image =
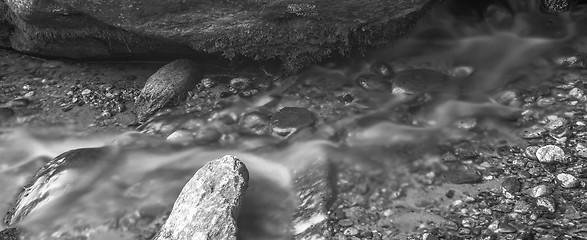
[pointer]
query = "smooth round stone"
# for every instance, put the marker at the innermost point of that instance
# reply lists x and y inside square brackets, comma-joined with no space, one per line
[372,82]
[382,69]
[510,186]
[207,135]
[550,153]
[181,136]
[415,81]
[290,119]
[567,180]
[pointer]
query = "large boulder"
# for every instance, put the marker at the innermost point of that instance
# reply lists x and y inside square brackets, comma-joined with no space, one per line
[296,32]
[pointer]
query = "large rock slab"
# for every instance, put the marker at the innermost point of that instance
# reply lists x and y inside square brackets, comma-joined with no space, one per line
[296,32]
[208,206]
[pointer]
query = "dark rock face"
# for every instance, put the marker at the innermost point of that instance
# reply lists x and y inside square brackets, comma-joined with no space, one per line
[296,32]
[167,87]
[208,205]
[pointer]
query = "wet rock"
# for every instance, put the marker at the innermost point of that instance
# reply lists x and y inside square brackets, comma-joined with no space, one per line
[511,186]
[581,149]
[63,179]
[414,81]
[382,69]
[545,101]
[555,6]
[181,136]
[530,152]
[462,176]
[547,203]
[550,153]
[314,189]
[6,113]
[371,82]
[256,123]
[568,180]
[167,87]
[289,119]
[533,132]
[205,135]
[10,234]
[19,103]
[208,205]
[540,191]
[239,84]
[505,228]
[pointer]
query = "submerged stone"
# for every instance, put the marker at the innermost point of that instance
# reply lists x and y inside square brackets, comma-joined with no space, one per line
[290,119]
[415,81]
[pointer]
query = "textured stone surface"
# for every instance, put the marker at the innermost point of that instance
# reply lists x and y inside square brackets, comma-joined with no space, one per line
[314,188]
[167,87]
[296,32]
[208,205]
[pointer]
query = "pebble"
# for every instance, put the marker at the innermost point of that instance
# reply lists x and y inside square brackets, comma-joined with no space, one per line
[345,222]
[256,123]
[510,186]
[530,152]
[550,153]
[240,83]
[540,191]
[290,119]
[533,132]
[521,207]
[466,123]
[577,93]
[554,122]
[567,180]
[371,82]
[505,228]
[544,102]
[546,202]
[351,231]
[382,69]
[429,236]
[581,149]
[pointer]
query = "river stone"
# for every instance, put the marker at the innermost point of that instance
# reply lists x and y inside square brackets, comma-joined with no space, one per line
[167,87]
[415,81]
[208,205]
[299,32]
[290,119]
[314,189]
[62,180]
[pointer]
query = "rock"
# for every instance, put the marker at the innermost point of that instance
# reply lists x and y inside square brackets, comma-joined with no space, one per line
[10,234]
[533,132]
[382,69]
[180,136]
[5,113]
[289,119]
[299,32]
[167,87]
[567,180]
[510,186]
[550,153]
[315,191]
[415,81]
[62,180]
[256,123]
[372,82]
[462,176]
[208,205]
[19,103]
[540,191]
[546,202]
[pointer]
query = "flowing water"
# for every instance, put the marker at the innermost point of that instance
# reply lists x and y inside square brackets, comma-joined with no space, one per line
[120,173]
